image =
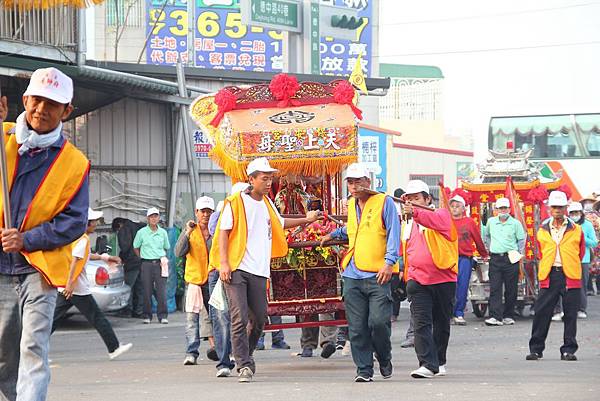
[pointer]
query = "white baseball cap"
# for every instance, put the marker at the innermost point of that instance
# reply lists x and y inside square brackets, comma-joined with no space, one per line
[357,170]
[260,164]
[459,199]
[575,207]
[152,211]
[557,198]
[205,202]
[94,214]
[416,187]
[51,84]
[239,187]
[502,202]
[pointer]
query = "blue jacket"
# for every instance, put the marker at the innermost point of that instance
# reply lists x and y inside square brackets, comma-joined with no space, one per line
[65,228]
[590,240]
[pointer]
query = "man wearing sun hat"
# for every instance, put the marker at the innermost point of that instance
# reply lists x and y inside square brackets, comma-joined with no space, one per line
[561,248]
[151,244]
[49,201]
[249,233]
[373,232]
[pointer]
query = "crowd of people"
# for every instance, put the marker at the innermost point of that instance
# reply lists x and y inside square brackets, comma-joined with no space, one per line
[228,248]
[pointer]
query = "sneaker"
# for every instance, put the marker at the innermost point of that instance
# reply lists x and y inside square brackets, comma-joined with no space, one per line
[557,317]
[280,345]
[566,356]
[507,321]
[347,349]
[581,315]
[340,345]
[493,322]
[328,350]
[363,378]
[386,370]
[224,372]
[189,360]
[146,321]
[163,321]
[211,354]
[460,321]
[306,353]
[123,348]
[422,373]
[441,371]
[245,375]
[408,343]
[534,356]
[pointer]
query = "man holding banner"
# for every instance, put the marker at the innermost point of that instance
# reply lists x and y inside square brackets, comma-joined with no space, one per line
[48,206]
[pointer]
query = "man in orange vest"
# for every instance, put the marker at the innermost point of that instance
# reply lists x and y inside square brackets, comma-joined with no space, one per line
[561,248]
[430,249]
[373,232]
[249,233]
[193,245]
[49,199]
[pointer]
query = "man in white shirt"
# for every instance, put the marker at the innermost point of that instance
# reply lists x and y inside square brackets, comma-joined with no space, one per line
[249,233]
[77,291]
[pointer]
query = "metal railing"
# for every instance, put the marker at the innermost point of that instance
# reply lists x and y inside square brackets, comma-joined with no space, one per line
[55,27]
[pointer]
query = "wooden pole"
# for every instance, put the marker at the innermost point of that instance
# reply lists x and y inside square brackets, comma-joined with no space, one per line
[3,172]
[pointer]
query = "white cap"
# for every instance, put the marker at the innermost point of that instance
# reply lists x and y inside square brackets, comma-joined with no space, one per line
[152,211]
[51,84]
[459,199]
[205,202]
[416,187]
[357,170]
[557,198]
[260,164]
[239,187]
[575,207]
[502,202]
[94,214]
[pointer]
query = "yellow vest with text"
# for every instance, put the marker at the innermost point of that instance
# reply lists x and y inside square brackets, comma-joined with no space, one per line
[444,252]
[367,239]
[196,261]
[569,252]
[60,184]
[238,235]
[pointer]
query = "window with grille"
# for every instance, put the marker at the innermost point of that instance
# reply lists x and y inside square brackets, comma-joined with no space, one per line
[125,13]
[432,180]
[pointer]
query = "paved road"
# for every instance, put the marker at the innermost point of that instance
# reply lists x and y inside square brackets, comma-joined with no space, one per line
[484,363]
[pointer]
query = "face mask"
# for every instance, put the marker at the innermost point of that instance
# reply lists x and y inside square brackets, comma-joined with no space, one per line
[503,216]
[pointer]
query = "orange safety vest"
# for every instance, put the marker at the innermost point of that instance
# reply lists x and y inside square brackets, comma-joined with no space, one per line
[444,252]
[238,235]
[367,239]
[196,261]
[60,184]
[568,248]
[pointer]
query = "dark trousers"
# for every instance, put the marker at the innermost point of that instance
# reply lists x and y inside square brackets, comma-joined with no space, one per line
[544,308]
[89,308]
[247,297]
[152,281]
[368,311]
[431,309]
[396,283]
[310,335]
[502,272]
[277,337]
[136,299]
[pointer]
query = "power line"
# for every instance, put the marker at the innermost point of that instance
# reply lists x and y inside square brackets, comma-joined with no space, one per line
[506,14]
[594,42]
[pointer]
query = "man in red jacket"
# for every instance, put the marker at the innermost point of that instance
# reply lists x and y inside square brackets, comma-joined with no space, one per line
[468,232]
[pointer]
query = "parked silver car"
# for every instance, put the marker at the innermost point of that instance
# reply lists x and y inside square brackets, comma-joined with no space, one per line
[107,284]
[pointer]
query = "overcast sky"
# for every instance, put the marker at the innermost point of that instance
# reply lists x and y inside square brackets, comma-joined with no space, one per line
[549,62]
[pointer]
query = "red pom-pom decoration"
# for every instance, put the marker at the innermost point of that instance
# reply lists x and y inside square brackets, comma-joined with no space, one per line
[538,194]
[343,93]
[283,87]
[225,101]
[464,194]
